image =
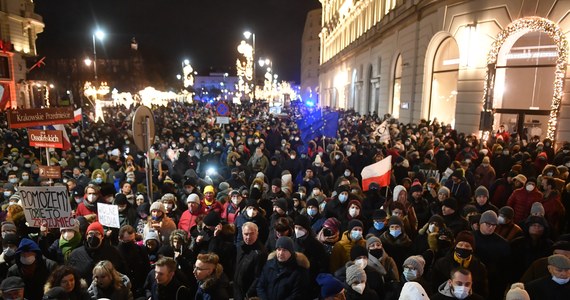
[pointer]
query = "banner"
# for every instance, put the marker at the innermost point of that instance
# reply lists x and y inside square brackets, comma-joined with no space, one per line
[46,205]
[45,138]
[21,118]
[108,215]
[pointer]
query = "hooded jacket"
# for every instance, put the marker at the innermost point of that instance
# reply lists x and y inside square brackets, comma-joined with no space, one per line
[444,292]
[289,280]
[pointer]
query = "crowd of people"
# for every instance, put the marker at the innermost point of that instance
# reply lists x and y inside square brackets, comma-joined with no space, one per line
[255,209]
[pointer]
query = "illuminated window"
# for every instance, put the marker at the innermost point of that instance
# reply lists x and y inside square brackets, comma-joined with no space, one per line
[444,82]
[397,87]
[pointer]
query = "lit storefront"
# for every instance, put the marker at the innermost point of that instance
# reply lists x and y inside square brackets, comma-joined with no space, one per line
[472,64]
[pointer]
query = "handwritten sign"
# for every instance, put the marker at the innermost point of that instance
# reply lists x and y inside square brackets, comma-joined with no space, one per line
[108,215]
[47,205]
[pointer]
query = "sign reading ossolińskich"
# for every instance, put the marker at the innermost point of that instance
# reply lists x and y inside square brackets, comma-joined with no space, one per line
[48,206]
[45,138]
[21,118]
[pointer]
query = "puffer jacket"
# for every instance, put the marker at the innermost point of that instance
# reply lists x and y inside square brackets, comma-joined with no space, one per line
[289,280]
[341,251]
[521,201]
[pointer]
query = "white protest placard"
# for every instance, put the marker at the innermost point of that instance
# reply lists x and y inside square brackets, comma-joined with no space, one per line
[108,215]
[47,205]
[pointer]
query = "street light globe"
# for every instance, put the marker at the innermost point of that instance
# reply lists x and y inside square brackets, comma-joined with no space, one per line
[247,34]
[100,34]
[88,62]
[178,76]
[186,61]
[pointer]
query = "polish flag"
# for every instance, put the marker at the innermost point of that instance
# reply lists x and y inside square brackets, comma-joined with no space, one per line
[66,141]
[77,115]
[379,172]
[75,131]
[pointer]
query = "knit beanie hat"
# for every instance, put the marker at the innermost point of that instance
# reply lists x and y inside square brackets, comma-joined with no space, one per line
[303,221]
[74,226]
[276,182]
[486,160]
[9,226]
[371,240]
[251,202]
[537,208]
[212,219]
[481,191]
[457,173]
[97,227]
[333,224]
[465,236]
[507,212]
[517,292]
[379,214]
[417,262]
[444,190]
[416,186]
[330,286]
[438,220]
[469,209]
[286,243]
[193,198]
[208,189]
[451,203]
[395,220]
[157,205]
[355,273]
[358,251]
[489,217]
[536,220]
[312,202]
[121,199]
[281,203]
[355,223]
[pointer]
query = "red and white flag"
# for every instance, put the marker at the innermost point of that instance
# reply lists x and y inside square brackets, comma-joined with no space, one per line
[66,141]
[379,172]
[77,115]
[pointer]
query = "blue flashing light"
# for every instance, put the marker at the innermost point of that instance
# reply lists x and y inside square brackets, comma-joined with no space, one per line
[310,103]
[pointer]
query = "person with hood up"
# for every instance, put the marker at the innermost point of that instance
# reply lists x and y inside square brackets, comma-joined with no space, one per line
[338,205]
[32,267]
[306,243]
[460,286]
[461,256]
[95,248]
[521,200]
[340,254]
[159,222]
[152,244]
[459,187]
[285,274]
[396,242]
[356,286]
[400,194]
[252,213]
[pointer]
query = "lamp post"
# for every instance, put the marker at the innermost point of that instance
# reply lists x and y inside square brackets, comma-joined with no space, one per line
[248,34]
[100,36]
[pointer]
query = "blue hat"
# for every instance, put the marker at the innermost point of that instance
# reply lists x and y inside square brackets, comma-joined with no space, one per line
[330,286]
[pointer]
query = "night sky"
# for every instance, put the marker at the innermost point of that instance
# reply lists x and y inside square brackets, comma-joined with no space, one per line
[207,32]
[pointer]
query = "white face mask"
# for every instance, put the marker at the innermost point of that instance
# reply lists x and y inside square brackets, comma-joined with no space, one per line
[359,288]
[91,198]
[530,187]
[353,212]
[431,228]
[27,260]
[460,292]
[299,233]
[236,200]
[560,281]
[362,262]
[68,235]
[501,220]
[251,212]
[347,173]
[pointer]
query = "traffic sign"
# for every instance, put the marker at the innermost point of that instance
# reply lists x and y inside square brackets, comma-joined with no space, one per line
[222,109]
[143,128]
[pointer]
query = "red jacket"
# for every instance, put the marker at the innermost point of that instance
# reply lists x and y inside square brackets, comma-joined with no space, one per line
[216,206]
[554,210]
[521,201]
[82,210]
[188,220]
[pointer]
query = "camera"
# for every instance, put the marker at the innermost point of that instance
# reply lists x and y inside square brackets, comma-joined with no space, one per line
[327,232]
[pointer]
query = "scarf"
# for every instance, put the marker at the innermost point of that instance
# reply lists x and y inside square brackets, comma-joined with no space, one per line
[67,246]
[90,206]
[464,262]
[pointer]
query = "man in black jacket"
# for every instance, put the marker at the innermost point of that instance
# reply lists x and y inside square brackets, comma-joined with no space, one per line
[557,284]
[165,285]
[250,259]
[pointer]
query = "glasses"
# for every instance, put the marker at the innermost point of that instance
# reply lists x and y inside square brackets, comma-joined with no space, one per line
[196,268]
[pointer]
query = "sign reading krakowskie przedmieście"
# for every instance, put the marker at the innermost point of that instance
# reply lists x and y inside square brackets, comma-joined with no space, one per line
[21,118]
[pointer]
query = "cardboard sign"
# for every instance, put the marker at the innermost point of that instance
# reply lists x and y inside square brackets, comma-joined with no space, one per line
[222,120]
[48,206]
[40,117]
[108,215]
[45,138]
[53,172]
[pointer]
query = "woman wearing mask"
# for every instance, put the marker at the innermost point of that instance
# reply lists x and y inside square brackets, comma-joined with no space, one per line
[67,278]
[108,283]
[413,270]
[158,221]
[341,251]
[354,212]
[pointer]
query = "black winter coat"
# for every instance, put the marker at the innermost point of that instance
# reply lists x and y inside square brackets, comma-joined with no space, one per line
[289,280]
[443,266]
[249,264]
[83,259]
[546,288]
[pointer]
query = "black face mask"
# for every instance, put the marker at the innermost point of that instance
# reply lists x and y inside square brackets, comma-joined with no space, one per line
[377,252]
[93,242]
[463,253]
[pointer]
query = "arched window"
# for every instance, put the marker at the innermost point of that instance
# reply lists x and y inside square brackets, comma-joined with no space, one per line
[397,88]
[443,98]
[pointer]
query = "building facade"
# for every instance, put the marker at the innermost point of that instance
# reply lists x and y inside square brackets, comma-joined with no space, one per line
[310,56]
[19,28]
[474,64]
